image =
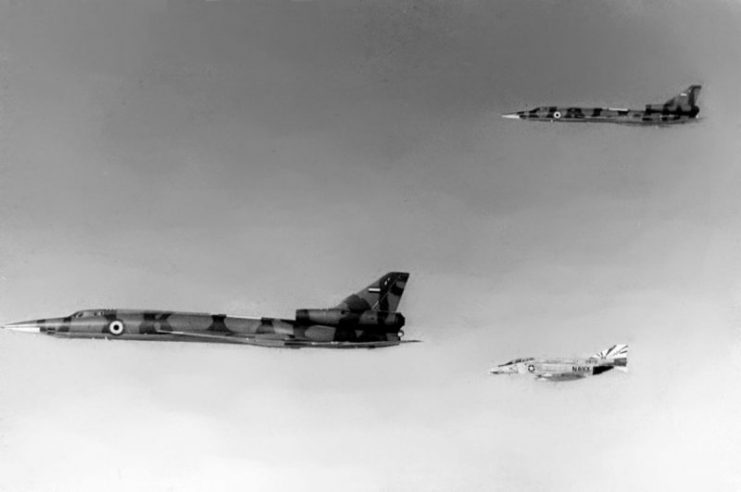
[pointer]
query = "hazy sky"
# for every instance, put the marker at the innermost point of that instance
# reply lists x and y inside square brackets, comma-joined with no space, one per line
[254,159]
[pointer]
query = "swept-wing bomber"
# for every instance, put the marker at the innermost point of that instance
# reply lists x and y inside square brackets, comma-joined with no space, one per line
[366,319]
[682,108]
[565,369]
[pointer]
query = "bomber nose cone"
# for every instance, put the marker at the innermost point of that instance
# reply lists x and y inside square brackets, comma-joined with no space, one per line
[511,116]
[25,326]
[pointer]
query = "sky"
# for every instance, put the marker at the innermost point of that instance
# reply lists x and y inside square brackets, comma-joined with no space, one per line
[261,157]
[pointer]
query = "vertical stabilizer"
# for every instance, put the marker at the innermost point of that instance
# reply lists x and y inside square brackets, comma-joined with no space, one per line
[382,295]
[686,100]
[616,355]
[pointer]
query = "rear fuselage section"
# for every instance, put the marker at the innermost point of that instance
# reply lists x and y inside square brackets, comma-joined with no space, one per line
[566,369]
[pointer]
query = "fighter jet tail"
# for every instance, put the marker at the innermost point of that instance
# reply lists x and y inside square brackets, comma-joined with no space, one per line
[686,100]
[617,355]
[382,295]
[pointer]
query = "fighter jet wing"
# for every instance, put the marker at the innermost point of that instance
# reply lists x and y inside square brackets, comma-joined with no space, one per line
[559,377]
[261,341]
[207,336]
[289,342]
[312,343]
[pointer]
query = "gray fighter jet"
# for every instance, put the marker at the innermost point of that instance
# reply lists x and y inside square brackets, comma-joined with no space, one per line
[567,369]
[366,319]
[679,109]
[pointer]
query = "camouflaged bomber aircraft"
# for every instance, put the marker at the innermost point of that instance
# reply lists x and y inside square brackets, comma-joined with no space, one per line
[679,109]
[567,369]
[366,319]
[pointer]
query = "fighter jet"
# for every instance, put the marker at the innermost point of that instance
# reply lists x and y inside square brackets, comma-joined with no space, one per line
[679,109]
[366,319]
[567,369]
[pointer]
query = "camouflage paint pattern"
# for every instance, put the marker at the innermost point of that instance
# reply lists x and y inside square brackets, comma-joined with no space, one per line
[679,109]
[347,326]
[382,295]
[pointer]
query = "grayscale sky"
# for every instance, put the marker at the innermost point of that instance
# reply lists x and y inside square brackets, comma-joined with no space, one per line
[277,155]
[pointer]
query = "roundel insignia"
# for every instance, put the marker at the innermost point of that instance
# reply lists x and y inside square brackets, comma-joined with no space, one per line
[531,368]
[557,115]
[116,327]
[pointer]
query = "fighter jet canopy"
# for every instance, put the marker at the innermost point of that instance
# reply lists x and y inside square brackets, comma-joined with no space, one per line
[90,312]
[517,361]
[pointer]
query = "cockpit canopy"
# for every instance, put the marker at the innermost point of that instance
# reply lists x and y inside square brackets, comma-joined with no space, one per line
[88,313]
[516,361]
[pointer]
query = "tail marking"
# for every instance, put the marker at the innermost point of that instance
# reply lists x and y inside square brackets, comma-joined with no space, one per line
[382,295]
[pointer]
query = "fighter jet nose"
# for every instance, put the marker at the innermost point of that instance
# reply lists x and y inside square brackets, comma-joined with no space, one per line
[25,326]
[511,116]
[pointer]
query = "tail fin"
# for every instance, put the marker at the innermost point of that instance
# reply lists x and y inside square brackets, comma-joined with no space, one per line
[617,355]
[382,295]
[686,100]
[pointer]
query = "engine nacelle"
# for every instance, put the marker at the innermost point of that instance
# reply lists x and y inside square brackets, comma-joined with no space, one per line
[341,317]
[391,321]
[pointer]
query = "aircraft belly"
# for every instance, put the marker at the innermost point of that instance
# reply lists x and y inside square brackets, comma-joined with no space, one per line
[562,377]
[342,345]
[606,118]
[78,334]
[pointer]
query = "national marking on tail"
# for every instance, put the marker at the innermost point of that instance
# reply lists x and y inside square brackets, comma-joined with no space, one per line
[686,100]
[382,295]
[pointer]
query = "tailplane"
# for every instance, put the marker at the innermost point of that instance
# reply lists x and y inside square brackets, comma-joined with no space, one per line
[617,355]
[686,100]
[382,295]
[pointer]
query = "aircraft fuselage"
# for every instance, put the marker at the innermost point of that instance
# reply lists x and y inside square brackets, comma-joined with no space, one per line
[561,369]
[365,319]
[681,108]
[648,116]
[567,369]
[128,324]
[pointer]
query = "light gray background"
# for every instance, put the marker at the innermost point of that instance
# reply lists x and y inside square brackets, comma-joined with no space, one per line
[257,159]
